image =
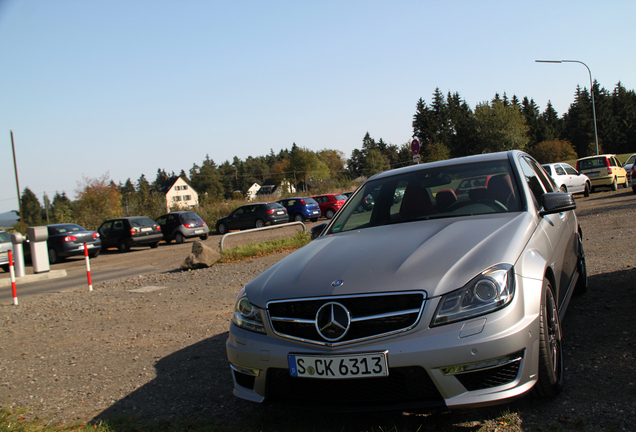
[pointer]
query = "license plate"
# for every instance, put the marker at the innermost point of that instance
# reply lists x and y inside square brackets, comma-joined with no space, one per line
[337,367]
[197,231]
[593,174]
[146,229]
[316,212]
[280,212]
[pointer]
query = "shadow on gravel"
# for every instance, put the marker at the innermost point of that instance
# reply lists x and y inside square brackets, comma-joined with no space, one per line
[195,384]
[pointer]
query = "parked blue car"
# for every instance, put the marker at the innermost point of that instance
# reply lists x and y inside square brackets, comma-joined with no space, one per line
[301,208]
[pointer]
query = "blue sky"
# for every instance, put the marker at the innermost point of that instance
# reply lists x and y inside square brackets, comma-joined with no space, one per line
[127,87]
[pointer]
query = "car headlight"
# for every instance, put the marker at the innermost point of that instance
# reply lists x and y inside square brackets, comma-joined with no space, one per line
[246,315]
[493,289]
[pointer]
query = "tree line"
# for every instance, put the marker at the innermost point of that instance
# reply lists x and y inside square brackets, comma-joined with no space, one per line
[446,128]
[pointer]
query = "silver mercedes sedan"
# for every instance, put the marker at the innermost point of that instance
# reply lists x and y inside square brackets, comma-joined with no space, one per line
[439,299]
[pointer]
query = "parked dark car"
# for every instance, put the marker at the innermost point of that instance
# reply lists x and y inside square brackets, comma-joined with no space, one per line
[253,216]
[124,233]
[67,239]
[330,203]
[301,209]
[180,225]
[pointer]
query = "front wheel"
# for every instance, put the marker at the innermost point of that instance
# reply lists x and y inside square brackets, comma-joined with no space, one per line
[626,184]
[259,223]
[178,238]
[221,229]
[550,379]
[154,245]
[299,218]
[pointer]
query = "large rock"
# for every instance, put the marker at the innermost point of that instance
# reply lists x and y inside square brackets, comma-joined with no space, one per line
[200,257]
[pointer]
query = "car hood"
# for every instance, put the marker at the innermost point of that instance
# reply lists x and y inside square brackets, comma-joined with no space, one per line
[437,256]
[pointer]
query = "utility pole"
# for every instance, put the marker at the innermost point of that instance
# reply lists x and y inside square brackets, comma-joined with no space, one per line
[17,184]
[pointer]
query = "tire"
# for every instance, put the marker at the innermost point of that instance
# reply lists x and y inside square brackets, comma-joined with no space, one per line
[626,184]
[299,218]
[53,257]
[614,185]
[329,213]
[550,381]
[204,237]
[586,192]
[260,223]
[221,229]
[5,267]
[93,254]
[634,189]
[563,188]
[123,246]
[154,245]
[178,238]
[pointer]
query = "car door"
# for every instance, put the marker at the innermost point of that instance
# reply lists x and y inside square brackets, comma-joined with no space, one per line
[559,228]
[621,174]
[576,183]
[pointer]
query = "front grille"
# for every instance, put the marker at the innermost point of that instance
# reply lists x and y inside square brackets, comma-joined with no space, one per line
[488,378]
[371,316]
[404,386]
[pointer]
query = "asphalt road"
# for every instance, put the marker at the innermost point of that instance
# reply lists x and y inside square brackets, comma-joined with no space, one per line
[111,264]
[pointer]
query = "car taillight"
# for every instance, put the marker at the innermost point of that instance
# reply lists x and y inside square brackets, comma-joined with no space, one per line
[158,228]
[95,235]
[187,225]
[270,211]
[69,238]
[134,230]
[302,202]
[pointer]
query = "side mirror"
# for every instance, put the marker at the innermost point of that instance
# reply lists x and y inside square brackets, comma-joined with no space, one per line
[317,230]
[557,202]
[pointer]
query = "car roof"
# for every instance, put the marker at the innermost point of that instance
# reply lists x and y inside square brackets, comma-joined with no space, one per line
[595,156]
[504,155]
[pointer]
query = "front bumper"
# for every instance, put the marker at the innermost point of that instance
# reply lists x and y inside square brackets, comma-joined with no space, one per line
[427,366]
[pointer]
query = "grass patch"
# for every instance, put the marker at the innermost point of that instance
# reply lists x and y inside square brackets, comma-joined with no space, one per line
[256,250]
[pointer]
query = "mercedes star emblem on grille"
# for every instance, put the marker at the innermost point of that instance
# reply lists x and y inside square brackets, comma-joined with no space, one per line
[333,321]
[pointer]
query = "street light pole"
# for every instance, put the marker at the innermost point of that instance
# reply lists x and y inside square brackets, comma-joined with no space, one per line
[591,91]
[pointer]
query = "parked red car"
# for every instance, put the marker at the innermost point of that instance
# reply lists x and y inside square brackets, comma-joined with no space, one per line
[330,204]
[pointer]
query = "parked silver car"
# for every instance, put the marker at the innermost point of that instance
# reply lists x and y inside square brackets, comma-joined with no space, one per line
[5,246]
[568,179]
[417,304]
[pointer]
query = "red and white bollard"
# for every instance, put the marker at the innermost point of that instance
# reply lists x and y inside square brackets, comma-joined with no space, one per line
[12,273]
[88,267]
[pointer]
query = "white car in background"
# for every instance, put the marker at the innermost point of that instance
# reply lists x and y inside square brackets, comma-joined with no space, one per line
[568,179]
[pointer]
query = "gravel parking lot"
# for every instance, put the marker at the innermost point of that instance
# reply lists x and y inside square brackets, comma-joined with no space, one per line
[152,347]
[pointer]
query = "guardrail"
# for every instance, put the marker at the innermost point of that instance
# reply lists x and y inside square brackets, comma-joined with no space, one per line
[259,229]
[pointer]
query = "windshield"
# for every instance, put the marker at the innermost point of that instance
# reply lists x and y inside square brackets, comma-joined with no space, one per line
[451,191]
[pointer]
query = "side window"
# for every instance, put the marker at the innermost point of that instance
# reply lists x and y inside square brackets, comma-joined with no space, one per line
[535,185]
[559,170]
[570,170]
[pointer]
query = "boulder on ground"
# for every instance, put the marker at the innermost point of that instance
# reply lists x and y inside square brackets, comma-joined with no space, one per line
[200,257]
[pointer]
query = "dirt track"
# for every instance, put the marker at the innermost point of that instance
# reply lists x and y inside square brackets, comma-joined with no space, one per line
[152,347]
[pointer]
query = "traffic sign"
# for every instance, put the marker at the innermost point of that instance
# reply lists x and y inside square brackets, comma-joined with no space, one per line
[416,158]
[415,146]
